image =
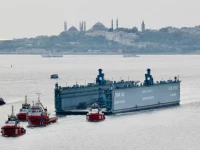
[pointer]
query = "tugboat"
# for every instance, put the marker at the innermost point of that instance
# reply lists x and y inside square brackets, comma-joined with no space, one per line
[21,116]
[12,126]
[2,101]
[38,115]
[95,113]
[54,76]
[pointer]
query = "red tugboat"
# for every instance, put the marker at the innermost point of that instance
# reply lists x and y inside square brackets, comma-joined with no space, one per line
[21,116]
[95,114]
[12,126]
[38,115]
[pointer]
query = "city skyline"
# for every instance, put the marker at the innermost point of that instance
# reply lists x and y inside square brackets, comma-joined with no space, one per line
[21,19]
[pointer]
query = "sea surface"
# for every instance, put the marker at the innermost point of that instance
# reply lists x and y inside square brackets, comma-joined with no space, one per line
[171,128]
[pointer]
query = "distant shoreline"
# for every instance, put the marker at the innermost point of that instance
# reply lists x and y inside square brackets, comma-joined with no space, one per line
[100,54]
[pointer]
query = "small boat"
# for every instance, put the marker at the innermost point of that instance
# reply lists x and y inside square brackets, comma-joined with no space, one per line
[21,116]
[54,76]
[38,115]
[2,101]
[12,126]
[95,113]
[52,55]
[130,55]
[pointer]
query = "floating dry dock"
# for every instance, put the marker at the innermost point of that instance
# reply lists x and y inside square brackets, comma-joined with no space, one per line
[117,97]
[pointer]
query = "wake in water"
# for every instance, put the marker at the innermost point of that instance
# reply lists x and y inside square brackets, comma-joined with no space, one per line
[6,66]
[16,100]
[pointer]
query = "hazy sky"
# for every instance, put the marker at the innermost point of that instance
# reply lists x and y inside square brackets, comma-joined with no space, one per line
[30,18]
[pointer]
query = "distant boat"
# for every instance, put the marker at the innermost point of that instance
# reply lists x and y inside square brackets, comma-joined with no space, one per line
[51,55]
[54,76]
[2,101]
[130,55]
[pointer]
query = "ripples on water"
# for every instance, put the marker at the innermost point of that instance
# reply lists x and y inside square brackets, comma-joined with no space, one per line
[166,128]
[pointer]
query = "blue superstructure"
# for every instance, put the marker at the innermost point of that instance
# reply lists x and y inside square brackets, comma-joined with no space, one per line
[148,78]
[100,78]
[101,81]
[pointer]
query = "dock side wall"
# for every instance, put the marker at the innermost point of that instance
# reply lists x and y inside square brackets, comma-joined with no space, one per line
[130,98]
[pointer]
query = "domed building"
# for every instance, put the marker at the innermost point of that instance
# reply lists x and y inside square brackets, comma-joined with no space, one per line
[73,29]
[98,27]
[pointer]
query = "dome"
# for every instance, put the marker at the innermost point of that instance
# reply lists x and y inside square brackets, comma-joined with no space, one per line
[73,29]
[98,27]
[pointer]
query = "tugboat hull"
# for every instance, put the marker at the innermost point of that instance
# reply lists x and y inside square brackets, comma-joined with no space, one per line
[36,121]
[12,131]
[95,117]
[21,116]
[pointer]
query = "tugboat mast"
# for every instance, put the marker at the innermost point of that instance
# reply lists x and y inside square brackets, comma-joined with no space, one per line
[39,100]
[12,114]
[25,99]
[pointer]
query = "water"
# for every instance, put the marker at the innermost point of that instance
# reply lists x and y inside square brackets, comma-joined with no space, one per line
[167,128]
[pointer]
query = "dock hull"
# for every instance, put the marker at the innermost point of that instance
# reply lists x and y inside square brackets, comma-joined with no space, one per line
[149,107]
[118,97]
[145,97]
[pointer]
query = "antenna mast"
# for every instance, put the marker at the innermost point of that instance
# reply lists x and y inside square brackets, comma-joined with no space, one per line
[38,96]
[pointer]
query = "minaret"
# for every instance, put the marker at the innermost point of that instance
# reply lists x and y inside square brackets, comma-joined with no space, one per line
[84,25]
[65,26]
[112,24]
[142,26]
[117,24]
[80,26]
